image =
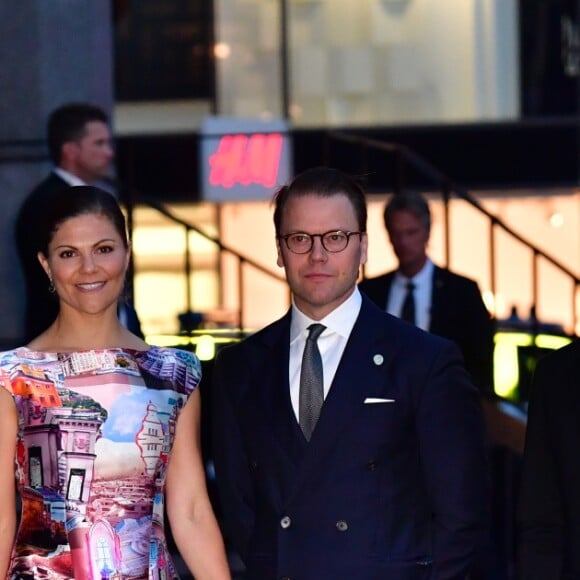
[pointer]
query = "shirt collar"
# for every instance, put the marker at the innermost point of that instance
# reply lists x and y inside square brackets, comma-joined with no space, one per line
[340,320]
[424,274]
[71,179]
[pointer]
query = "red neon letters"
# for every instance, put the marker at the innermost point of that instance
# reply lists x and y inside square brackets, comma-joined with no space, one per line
[246,159]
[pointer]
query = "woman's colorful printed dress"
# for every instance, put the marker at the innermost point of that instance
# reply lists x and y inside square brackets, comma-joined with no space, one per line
[95,433]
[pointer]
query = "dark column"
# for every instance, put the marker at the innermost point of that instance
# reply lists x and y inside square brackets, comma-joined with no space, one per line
[50,53]
[549,57]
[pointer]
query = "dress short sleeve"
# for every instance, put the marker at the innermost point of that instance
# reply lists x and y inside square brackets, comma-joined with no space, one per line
[180,368]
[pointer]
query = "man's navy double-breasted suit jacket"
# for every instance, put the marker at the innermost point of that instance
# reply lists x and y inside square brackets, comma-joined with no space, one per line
[393,483]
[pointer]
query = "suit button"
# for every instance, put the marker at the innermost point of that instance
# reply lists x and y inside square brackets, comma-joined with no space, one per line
[341,526]
[372,465]
[285,578]
[253,465]
[285,522]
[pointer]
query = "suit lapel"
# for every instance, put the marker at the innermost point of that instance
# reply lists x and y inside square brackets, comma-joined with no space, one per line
[276,408]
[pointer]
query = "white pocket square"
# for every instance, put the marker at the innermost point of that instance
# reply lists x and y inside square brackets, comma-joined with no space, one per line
[373,400]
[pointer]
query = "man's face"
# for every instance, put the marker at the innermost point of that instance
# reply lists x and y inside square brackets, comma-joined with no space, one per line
[92,155]
[409,237]
[320,281]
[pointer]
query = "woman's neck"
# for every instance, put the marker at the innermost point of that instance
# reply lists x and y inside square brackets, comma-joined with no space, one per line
[75,331]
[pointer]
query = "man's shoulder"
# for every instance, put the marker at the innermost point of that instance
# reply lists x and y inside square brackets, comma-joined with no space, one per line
[377,280]
[455,286]
[31,208]
[376,324]
[562,358]
[450,277]
[555,378]
[264,338]
[50,184]
[376,288]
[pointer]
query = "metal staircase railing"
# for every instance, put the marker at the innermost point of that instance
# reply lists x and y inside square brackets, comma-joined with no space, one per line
[242,259]
[406,159]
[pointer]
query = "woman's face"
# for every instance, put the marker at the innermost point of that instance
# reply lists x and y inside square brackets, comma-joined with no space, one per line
[87,260]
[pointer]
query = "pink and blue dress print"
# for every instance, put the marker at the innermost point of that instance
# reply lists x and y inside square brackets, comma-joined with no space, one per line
[95,434]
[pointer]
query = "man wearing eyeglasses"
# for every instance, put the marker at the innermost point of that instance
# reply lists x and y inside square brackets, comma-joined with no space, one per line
[348,444]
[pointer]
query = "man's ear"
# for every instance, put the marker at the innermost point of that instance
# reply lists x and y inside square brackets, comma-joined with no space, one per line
[68,150]
[364,246]
[280,259]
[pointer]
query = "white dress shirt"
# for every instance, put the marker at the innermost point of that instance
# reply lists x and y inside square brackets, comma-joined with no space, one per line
[105,184]
[71,179]
[423,282]
[331,343]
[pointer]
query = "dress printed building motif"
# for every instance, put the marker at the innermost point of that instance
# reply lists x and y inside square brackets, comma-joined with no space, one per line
[95,435]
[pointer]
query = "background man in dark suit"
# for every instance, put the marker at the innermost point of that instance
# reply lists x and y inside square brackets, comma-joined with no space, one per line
[383,475]
[450,306]
[446,304]
[549,502]
[80,146]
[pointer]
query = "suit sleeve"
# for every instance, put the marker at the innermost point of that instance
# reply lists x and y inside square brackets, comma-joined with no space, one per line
[540,513]
[477,345]
[231,463]
[454,458]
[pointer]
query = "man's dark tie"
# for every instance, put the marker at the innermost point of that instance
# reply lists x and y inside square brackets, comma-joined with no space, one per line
[311,382]
[408,311]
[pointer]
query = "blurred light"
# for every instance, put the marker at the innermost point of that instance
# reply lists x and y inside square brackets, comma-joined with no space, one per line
[222,50]
[551,341]
[489,301]
[556,220]
[205,348]
[296,111]
[201,341]
[506,376]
